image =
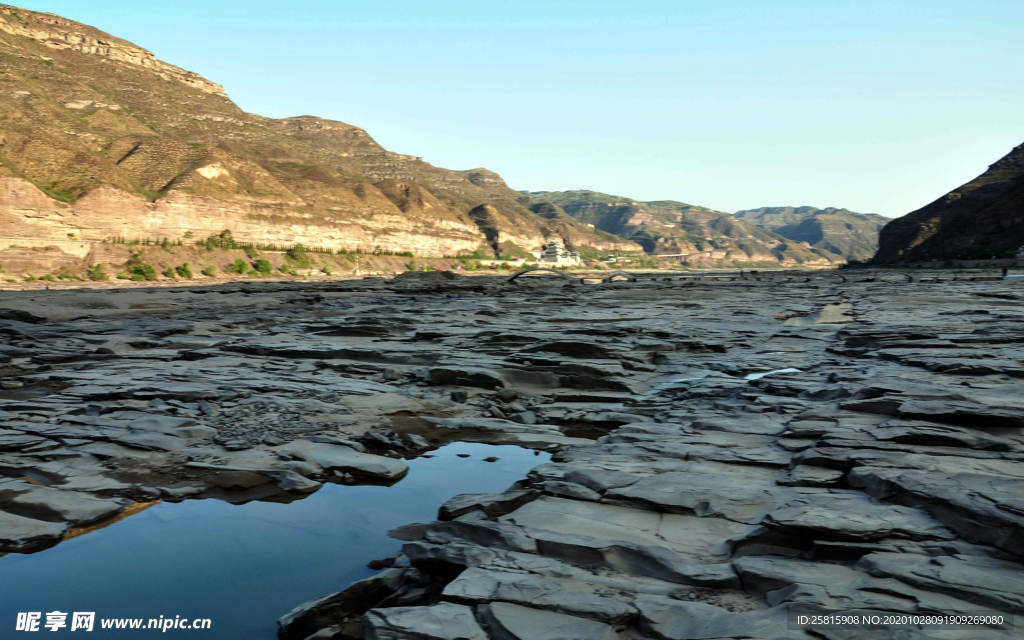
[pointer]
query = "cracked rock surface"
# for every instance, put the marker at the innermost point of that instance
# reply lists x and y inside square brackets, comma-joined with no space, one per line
[746,451]
[727,453]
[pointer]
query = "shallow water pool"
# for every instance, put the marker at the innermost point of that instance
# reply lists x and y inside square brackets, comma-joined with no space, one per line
[242,566]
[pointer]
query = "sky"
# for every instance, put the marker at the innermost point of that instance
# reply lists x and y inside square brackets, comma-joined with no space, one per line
[876,106]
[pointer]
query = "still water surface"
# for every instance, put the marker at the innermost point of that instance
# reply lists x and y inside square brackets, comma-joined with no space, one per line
[242,566]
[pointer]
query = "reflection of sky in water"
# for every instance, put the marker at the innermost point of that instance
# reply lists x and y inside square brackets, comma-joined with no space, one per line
[243,566]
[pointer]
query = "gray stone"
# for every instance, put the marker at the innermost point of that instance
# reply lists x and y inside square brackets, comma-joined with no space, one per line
[444,621]
[506,395]
[600,480]
[50,503]
[571,490]
[491,534]
[340,458]
[837,587]
[982,581]
[677,620]
[852,516]
[314,615]
[480,585]
[453,553]
[695,538]
[980,508]
[804,475]
[492,504]
[237,477]
[702,495]
[496,412]
[525,417]
[19,534]
[465,377]
[507,621]
[414,441]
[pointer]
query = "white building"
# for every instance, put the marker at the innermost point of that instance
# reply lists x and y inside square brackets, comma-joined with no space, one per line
[554,253]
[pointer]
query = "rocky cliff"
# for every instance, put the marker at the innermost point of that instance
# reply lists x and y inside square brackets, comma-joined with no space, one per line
[981,219]
[99,138]
[698,235]
[840,232]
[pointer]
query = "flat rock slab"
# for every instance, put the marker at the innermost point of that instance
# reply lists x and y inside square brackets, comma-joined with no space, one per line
[18,533]
[701,494]
[340,458]
[443,621]
[482,585]
[979,507]
[853,516]
[677,620]
[70,506]
[983,581]
[780,580]
[286,479]
[491,504]
[513,622]
[700,539]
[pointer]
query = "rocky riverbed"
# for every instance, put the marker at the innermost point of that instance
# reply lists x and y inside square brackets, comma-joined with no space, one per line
[728,453]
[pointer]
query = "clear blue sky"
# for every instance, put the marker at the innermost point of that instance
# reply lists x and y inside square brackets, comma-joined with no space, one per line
[877,106]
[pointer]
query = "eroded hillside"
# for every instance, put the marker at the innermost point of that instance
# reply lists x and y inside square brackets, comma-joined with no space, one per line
[99,138]
[844,233]
[698,235]
[981,219]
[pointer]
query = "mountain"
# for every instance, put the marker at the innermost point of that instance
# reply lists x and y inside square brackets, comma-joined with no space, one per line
[99,138]
[700,236]
[980,219]
[841,232]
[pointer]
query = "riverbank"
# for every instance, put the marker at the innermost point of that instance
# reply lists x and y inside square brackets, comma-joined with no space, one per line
[719,443]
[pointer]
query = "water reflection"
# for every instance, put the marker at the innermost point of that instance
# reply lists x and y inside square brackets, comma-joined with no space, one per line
[243,566]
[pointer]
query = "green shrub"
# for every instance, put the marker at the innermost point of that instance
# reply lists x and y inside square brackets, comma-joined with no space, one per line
[210,271]
[123,276]
[251,252]
[185,271]
[263,266]
[298,255]
[29,278]
[325,270]
[142,272]
[252,273]
[238,266]
[96,272]
[411,266]
[170,273]
[47,277]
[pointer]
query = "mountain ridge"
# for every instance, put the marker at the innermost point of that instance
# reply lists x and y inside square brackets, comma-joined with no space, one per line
[982,218]
[841,232]
[698,235]
[99,138]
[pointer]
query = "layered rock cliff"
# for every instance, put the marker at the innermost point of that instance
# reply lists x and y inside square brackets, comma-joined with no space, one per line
[981,219]
[99,138]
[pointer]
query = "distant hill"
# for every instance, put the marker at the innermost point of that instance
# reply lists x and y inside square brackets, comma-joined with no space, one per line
[980,219]
[841,232]
[99,138]
[701,236]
